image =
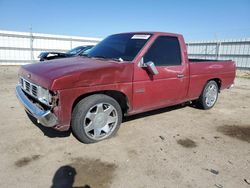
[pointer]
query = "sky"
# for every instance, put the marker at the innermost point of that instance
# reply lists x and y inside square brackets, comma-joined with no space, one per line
[195,19]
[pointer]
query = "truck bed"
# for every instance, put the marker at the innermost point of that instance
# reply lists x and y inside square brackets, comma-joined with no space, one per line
[203,70]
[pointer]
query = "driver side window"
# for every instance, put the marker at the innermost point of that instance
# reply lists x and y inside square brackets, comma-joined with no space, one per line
[165,51]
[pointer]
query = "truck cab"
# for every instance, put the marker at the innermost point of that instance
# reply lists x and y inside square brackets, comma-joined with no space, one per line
[169,86]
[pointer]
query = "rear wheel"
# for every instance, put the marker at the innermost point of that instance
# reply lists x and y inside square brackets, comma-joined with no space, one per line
[209,95]
[96,118]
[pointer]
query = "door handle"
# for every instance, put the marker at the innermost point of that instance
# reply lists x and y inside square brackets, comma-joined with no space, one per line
[180,75]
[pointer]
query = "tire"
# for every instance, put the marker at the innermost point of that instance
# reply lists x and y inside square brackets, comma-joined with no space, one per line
[95,118]
[208,96]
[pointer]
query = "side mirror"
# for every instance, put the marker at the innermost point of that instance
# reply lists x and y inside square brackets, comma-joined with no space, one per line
[151,67]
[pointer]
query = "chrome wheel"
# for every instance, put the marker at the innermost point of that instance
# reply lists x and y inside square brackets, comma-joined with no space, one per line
[211,95]
[100,121]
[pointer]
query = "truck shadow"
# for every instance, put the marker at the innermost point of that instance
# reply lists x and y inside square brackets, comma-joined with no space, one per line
[49,132]
[158,111]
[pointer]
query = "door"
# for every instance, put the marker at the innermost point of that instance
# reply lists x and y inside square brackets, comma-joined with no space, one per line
[169,86]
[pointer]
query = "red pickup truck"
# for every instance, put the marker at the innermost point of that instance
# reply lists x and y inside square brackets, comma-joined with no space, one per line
[124,74]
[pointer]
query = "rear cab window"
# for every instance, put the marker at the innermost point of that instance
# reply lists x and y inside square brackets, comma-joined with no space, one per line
[165,51]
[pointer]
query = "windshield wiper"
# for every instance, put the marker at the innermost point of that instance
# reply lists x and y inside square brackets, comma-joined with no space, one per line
[112,58]
[117,59]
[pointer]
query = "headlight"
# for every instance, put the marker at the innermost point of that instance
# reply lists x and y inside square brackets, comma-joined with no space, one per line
[44,96]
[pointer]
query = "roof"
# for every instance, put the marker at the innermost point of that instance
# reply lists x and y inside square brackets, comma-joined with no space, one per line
[152,33]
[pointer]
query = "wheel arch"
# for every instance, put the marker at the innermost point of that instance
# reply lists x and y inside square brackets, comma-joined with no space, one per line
[119,96]
[217,80]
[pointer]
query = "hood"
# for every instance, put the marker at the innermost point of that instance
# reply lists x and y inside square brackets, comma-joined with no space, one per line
[76,72]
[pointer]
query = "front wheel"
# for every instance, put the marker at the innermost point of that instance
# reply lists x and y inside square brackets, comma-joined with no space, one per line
[96,118]
[209,95]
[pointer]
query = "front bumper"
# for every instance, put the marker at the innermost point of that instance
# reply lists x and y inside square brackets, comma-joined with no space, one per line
[44,117]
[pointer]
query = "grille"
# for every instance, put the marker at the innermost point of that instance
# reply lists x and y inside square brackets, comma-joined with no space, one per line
[28,87]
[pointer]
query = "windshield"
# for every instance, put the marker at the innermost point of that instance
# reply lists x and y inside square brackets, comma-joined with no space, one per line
[120,46]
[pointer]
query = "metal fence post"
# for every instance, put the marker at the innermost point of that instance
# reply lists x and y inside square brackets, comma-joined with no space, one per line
[31,46]
[206,52]
[217,51]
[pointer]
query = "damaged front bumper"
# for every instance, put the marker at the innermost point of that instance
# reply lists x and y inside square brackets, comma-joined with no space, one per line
[44,117]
